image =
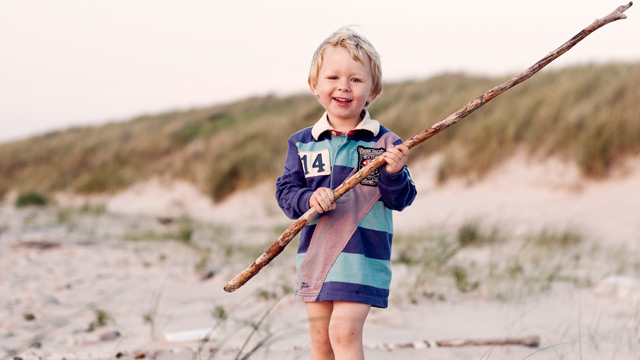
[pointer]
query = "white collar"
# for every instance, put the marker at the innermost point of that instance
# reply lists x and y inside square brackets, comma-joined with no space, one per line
[366,123]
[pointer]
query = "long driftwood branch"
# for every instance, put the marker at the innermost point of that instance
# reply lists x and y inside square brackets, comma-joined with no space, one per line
[472,106]
[529,341]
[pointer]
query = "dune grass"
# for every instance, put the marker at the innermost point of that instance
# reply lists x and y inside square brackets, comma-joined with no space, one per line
[495,263]
[585,114]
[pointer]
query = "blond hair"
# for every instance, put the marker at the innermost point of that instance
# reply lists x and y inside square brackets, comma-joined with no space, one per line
[360,49]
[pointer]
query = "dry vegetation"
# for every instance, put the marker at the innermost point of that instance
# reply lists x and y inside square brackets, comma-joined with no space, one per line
[165,264]
[587,114]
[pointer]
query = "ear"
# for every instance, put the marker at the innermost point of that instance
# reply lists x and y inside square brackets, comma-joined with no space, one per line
[314,88]
[372,97]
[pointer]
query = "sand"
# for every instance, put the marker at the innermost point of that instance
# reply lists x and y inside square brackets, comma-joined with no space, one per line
[99,279]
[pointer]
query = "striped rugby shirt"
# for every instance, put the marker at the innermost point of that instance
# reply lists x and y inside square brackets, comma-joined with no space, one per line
[344,254]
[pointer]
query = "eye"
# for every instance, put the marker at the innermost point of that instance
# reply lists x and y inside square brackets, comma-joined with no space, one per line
[332,77]
[356,80]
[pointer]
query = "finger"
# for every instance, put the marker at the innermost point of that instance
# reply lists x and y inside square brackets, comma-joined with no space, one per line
[325,198]
[403,148]
[401,151]
[391,157]
[317,207]
[325,204]
[327,195]
[315,202]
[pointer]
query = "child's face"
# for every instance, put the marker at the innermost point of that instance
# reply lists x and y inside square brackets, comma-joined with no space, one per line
[344,86]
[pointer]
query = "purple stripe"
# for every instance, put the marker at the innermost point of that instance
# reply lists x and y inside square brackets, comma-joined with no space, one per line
[371,243]
[341,291]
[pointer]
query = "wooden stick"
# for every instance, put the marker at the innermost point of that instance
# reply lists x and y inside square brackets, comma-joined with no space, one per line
[530,341]
[472,106]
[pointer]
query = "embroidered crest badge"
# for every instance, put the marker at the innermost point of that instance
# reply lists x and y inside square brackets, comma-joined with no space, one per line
[365,156]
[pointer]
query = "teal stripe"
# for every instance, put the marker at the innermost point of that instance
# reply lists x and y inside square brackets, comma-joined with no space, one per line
[345,156]
[348,155]
[313,146]
[299,258]
[319,145]
[358,269]
[378,219]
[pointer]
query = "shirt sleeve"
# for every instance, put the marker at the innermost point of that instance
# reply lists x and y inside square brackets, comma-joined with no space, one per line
[397,190]
[292,192]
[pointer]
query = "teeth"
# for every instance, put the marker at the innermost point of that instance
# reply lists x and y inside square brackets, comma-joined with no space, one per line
[342,99]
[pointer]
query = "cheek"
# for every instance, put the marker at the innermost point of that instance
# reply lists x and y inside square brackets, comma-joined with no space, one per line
[320,90]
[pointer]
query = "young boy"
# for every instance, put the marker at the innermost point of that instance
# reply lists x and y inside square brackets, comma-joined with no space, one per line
[343,256]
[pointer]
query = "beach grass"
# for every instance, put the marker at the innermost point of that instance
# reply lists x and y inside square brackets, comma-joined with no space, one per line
[584,114]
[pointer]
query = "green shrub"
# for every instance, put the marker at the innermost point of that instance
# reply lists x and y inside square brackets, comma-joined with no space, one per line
[472,234]
[553,239]
[461,278]
[101,320]
[185,230]
[104,179]
[31,198]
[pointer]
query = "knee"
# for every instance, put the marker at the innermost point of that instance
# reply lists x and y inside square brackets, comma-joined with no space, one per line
[321,343]
[343,334]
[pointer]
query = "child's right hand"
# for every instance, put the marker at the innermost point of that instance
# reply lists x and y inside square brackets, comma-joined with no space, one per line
[322,200]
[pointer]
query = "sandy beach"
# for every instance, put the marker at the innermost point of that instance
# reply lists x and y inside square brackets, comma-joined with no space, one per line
[140,274]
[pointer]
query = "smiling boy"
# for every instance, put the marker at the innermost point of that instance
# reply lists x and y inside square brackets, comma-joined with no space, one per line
[343,256]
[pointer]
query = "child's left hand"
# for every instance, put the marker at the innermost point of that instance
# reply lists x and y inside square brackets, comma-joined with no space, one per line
[396,158]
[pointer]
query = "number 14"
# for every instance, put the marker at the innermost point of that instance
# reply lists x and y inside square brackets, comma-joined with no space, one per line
[319,163]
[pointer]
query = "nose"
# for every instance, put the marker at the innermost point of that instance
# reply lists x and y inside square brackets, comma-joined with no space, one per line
[344,85]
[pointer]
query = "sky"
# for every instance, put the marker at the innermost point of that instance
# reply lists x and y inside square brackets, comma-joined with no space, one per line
[71,63]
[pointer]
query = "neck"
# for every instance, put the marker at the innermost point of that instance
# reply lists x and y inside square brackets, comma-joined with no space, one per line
[345,124]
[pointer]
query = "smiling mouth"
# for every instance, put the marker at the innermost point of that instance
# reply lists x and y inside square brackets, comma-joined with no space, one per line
[342,99]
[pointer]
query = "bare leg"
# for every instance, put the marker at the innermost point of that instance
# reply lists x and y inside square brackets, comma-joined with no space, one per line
[345,329]
[319,314]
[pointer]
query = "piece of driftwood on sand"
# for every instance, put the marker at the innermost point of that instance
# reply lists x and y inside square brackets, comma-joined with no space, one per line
[529,341]
[470,107]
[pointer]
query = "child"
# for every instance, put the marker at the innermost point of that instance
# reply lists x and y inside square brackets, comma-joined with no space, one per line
[343,256]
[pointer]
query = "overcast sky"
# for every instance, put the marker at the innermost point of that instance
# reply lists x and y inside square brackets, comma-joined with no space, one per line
[79,62]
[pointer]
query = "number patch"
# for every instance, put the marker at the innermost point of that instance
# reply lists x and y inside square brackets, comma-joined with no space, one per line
[315,163]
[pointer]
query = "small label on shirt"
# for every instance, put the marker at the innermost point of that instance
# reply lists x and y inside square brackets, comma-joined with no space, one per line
[315,163]
[365,156]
